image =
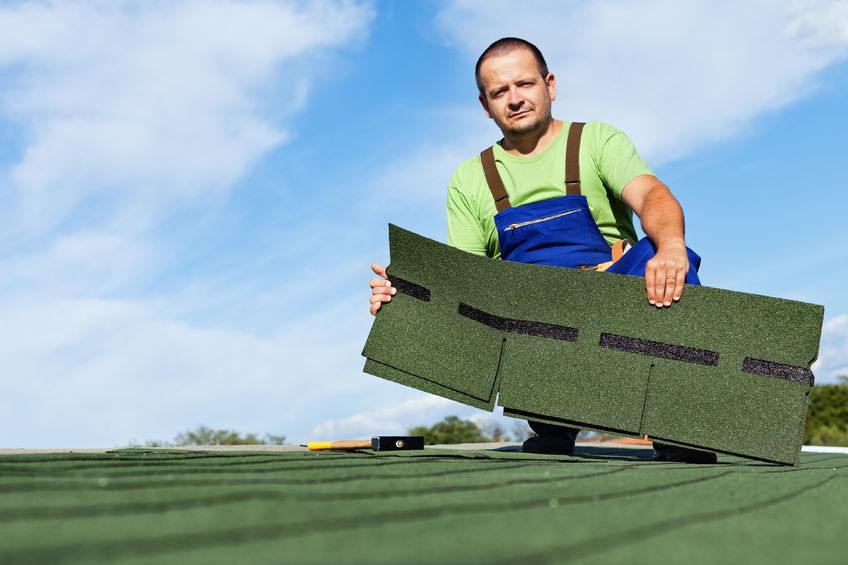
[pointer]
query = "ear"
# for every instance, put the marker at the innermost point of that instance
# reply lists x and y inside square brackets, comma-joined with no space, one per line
[550,81]
[485,105]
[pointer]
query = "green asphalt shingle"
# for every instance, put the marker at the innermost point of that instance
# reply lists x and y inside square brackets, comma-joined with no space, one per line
[602,505]
[721,370]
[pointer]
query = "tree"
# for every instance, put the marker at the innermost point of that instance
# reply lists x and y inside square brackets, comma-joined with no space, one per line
[207,436]
[827,414]
[450,430]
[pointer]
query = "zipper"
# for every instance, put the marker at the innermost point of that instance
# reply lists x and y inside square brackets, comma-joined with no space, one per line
[527,223]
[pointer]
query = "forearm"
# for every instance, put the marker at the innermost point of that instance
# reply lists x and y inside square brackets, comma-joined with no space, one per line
[662,221]
[662,218]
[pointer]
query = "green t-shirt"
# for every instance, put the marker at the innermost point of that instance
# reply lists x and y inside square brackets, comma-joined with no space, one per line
[608,161]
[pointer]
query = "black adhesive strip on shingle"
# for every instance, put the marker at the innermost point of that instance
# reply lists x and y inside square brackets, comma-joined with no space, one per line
[659,349]
[411,289]
[778,370]
[525,327]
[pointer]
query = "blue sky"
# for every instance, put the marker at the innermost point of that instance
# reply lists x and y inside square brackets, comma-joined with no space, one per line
[193,191]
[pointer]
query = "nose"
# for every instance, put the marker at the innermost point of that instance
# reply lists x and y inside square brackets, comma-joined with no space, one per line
[514,98]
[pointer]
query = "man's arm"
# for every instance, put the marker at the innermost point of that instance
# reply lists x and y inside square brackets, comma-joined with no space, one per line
[662,221]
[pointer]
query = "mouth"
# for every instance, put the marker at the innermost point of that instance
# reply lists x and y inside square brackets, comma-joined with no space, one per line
[518,115]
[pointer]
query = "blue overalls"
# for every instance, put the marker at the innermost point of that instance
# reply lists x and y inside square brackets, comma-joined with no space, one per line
[561,231]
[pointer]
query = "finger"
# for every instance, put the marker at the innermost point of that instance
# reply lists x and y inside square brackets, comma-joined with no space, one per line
[377,302]
[659,287]
[649,283]
[379,269]
[377,282]
[678,288]
[670,284]
[385,289]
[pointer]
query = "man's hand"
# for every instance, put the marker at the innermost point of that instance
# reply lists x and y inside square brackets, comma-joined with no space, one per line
[381,289]
[666,273]
[662,220]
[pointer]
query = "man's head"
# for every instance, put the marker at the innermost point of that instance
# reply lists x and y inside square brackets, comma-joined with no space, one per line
[507,45]
[516,89]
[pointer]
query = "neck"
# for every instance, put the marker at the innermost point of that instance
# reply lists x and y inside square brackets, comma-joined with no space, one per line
[532,142]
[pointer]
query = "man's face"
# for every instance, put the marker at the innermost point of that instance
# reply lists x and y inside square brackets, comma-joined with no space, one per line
[515,95]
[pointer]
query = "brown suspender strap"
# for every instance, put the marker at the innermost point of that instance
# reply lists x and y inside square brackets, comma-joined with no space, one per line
[496,185]
[572,158]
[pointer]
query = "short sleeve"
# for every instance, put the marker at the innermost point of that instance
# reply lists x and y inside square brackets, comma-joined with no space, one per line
[464,229]
[618,162]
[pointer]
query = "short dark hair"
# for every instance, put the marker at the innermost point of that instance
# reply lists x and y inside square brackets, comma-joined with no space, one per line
[507,45]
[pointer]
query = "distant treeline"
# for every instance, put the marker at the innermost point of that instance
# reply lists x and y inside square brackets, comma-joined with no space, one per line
[207,436]
[453,430]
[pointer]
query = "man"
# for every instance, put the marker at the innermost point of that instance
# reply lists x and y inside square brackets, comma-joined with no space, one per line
[512,203]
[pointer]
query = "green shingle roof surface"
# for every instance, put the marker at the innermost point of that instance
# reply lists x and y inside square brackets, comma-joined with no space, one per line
[720,370]
[602,505]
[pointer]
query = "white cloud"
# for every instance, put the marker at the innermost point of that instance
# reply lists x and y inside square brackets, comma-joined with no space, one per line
[833,352]
[394,420]
[153,103]
[125,113]
[82,263]
[93,372]
[397,419]
[820,23]
[674,75]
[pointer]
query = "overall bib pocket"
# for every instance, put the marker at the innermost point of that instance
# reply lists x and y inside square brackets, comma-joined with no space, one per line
[559,231]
